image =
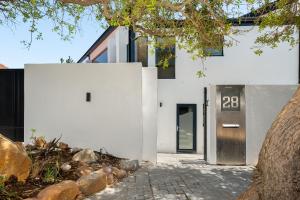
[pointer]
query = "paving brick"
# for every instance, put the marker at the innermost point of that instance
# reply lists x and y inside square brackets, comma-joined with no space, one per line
[180,182]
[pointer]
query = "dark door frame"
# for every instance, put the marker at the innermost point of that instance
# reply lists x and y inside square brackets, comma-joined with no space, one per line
[194,108]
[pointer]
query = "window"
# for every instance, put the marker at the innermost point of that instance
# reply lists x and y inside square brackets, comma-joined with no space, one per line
[102,58]
[161,55]
[141,53]
[214,52]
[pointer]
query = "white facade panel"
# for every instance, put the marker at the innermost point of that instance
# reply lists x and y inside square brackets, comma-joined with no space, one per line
[149,82]
[263,104]
[55,105]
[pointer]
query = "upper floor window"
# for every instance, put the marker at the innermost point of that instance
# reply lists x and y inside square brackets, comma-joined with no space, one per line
[102,58]
[141,51]
[163,55]
[214,52]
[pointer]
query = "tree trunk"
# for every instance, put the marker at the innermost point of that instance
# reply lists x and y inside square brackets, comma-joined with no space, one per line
[277,174]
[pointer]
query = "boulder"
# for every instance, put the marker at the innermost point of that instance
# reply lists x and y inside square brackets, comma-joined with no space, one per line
[65,167]
[86,155]
[109,175]
[119,173]
[20,145]
[40,142]
[13,160]
[129,165]
[107,169]
[109,179]
[66,190]
[92,183]
[84,170]
[63,146]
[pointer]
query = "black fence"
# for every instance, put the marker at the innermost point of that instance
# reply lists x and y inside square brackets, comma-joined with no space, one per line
[12,103]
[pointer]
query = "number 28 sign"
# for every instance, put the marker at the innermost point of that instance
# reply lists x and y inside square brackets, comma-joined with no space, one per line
[230,100]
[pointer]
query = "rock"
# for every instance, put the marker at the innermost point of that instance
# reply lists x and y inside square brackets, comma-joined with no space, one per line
[20,145]
[119,173]
[66,190]
[13,160]
[109,176]
[90,184]
[129,165]
[65,167]
[107,169]
[80,197]
[109,179]
[40,142]
[86,155]
[84,170]
[63,146]
[75,149]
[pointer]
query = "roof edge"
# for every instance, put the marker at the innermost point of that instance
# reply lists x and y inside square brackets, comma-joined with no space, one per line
[103,36]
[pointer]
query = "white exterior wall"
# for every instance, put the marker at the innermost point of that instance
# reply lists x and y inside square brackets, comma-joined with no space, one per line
[263,103]
[239,65]
[121,44]
[149,77]
[111,50]
[55,106]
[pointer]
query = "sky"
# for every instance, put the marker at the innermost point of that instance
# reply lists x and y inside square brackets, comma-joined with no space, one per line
[14,54]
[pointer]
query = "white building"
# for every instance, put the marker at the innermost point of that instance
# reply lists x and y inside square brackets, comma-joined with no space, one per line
[181,94]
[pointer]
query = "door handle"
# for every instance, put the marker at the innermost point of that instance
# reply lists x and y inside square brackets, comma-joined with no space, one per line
[230,125]
[177,128]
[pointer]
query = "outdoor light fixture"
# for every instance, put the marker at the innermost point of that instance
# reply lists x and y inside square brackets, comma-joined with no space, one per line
[88,97]
[160,104]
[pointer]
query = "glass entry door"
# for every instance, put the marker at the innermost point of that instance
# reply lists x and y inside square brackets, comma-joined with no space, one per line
[186,127]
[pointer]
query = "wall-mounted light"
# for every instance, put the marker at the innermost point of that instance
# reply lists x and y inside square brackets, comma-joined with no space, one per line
[88,97]
[160,104]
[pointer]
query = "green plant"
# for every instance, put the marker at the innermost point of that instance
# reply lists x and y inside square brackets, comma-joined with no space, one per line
[51,173]
[2,185]
[33,131]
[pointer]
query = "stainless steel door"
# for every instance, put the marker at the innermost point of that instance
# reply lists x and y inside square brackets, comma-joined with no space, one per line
[231,134]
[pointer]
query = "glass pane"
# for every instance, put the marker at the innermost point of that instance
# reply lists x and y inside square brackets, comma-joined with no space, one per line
[213,52]
[102,58]
[141,53]
[185,128]
[161,55]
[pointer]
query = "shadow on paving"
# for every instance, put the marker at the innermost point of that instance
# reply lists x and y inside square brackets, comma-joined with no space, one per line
[184,181]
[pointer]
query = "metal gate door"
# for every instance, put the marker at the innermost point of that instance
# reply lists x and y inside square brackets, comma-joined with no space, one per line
[12,103]
[231,134]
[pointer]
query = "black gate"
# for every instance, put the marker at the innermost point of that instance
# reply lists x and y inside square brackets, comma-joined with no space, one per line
[12,103]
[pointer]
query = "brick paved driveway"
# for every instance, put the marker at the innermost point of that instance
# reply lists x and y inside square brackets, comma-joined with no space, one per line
[186,179]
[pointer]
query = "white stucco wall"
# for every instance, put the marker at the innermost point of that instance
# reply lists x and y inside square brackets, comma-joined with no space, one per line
[263,103]
[239,65]
[149,113]
[121,44]
[55,106]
